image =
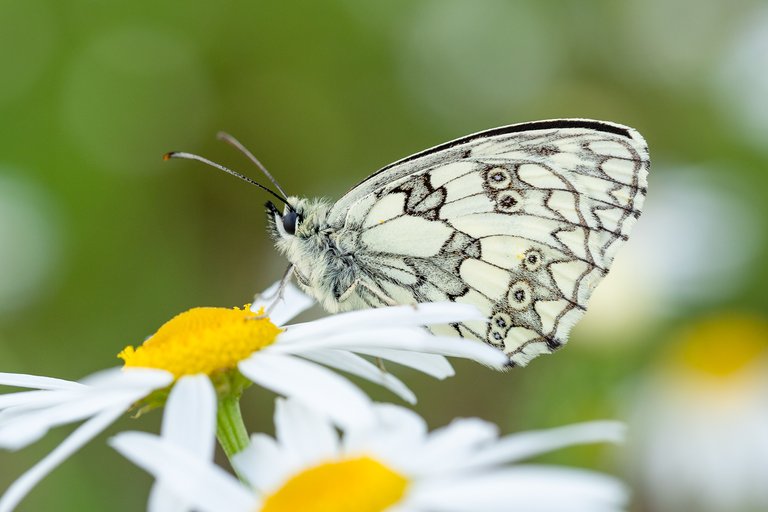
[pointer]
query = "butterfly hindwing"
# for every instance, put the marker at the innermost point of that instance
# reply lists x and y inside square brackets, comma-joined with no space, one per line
[521,221]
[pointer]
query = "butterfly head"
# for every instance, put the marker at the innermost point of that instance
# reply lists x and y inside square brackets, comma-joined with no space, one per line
[299,219]
[283,225]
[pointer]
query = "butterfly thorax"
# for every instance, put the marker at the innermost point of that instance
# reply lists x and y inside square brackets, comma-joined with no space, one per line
[323,258]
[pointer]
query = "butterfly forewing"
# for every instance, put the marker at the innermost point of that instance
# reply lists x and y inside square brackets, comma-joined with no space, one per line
[522,221]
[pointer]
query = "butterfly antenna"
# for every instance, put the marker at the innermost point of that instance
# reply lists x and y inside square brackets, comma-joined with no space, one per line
[191,156]
[229,139]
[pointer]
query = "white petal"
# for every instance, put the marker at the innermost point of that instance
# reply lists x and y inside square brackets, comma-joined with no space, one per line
[416,340]
[28,428]
[189,422]
[36,399]
[528,444]
[430,364]
[464,348]
[315,386]
[401,316]
[205,485]
[164,499]
[305,436]
[462,434]
[356,365]
[70,445]
[449,447]
[189,419]
[530,488]
[363,336]
[292,303]
[125,378]
[103,377]
[394,417]
[376,336]
[21,380]
[262,463]
[395,431]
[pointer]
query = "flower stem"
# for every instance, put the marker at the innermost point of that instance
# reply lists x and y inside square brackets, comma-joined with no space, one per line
[230,430]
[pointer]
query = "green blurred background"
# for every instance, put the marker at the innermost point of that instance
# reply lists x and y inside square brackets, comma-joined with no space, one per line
[101,241]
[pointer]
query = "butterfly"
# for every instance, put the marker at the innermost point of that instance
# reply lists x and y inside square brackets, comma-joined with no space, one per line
[522,221]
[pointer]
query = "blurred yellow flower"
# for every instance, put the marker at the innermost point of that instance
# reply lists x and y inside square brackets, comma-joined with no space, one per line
[722,346]
[699,438]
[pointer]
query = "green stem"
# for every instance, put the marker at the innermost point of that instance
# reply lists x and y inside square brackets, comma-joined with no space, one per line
[230,430]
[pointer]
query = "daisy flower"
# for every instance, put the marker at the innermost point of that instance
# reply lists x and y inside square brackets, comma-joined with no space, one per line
[393,464]
[233,348]
[699,419]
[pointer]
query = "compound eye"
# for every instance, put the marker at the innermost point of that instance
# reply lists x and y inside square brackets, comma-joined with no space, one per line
[290,222]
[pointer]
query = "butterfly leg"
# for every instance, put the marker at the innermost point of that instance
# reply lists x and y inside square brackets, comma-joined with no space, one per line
[278,294]
[383,297]
[386,299]
[380,364]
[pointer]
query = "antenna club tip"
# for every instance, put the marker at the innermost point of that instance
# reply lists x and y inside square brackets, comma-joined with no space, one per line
[169,155]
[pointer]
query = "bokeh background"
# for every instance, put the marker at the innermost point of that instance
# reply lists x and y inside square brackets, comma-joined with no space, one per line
[101,241]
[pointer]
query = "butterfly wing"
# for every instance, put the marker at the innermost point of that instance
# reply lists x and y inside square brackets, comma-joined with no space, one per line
[522,221]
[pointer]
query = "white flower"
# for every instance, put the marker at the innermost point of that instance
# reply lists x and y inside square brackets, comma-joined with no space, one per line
[391,465]
[699,422]
[100,399]
[213,341]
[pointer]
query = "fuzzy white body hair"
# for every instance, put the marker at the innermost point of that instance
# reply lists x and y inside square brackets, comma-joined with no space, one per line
[323,264]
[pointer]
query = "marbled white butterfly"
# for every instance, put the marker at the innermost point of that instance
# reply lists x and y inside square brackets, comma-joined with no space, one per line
[523,221]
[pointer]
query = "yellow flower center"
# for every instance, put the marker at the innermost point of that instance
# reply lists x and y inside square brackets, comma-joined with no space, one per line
[354,485]
[724,345]
[203,340]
